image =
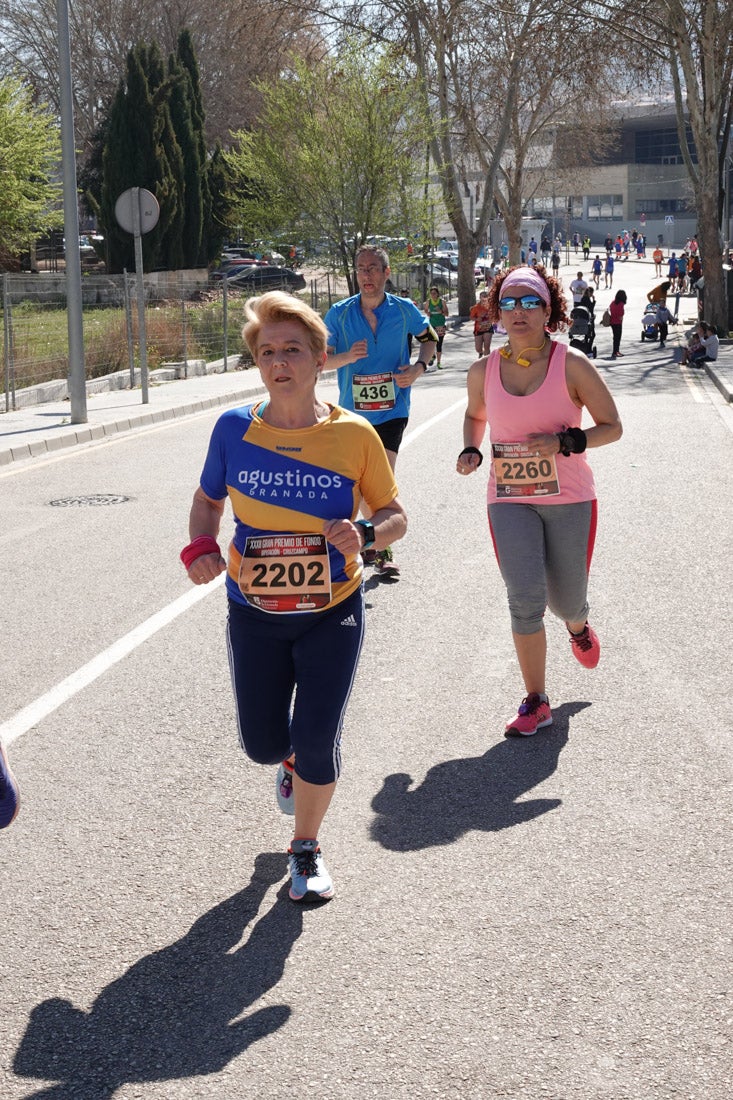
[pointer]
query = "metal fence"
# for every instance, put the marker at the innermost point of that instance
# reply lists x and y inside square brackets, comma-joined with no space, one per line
[183,323]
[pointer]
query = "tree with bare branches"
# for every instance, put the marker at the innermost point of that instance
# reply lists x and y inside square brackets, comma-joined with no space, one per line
[336,144]
[690,43]
[236,42]
[469,59]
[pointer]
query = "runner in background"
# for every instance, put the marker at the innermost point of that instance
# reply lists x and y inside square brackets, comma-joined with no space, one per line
[482,327]
[437,312]
[367,344]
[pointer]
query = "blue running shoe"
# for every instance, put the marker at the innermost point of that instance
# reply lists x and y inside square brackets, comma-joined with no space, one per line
[284,788]
[9,793]
[310,879]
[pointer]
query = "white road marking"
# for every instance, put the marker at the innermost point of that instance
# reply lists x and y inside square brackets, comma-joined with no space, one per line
[40,708]
[703,390]
[413,435]
[692,382]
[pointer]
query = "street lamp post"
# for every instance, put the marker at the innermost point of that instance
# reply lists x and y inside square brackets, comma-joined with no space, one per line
[77,372]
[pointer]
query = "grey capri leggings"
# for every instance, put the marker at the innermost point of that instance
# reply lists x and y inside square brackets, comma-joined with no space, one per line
[544,553]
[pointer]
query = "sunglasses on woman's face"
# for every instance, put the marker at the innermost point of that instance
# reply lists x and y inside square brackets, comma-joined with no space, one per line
[527,301]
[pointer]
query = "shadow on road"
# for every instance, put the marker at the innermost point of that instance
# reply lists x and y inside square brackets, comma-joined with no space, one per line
[476,793]
[175,1013]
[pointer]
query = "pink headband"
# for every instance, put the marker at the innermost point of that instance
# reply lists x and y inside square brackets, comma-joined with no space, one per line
[526,276]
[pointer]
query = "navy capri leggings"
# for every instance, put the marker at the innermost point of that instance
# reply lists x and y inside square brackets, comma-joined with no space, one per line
[292,676]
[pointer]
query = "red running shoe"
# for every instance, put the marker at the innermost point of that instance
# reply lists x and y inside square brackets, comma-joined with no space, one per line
[534,713]
[586,647]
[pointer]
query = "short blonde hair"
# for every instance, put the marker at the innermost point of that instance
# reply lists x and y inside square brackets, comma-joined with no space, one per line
[276,306]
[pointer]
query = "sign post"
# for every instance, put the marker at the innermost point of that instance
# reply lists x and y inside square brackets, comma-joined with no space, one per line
[669,220]
[72,260]
[137,211]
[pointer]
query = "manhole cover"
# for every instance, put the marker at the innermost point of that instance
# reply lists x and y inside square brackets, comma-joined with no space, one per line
[94,501]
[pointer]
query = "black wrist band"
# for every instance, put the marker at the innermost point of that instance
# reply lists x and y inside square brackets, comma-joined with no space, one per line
[472,451]
[422,363]
[572,442]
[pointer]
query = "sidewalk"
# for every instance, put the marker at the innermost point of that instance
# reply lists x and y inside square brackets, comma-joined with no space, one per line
[40,429]
[721,371]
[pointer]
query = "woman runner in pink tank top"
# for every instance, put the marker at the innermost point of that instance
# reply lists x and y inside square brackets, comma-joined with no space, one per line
[541,497]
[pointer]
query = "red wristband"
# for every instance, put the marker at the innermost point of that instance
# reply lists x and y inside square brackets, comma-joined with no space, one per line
[204,544]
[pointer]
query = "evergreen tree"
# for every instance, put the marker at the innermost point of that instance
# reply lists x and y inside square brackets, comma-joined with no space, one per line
[219,183]
[187,59]
[170,193]
[129,160]
[153,138]
[181,97]
[141,151]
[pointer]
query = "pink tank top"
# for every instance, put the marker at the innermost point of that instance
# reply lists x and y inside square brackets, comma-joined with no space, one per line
[516,477]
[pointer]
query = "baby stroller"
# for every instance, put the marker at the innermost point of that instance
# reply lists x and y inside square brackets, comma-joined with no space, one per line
[649,330]
[582,331]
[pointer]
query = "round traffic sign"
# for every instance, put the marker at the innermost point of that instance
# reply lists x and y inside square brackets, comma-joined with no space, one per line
[147,205]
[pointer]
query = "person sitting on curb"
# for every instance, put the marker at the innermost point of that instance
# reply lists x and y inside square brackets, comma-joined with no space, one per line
[703,347]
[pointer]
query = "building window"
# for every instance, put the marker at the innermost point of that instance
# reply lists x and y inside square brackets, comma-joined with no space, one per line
[661,147]
[542,206]
[605,207]
[657,208]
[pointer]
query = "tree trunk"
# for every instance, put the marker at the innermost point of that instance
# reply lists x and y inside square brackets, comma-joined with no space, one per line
[711,254]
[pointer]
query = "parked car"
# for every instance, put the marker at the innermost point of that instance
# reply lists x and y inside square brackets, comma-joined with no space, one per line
[442,269]
[238,254]
[264,277]
[450,260]
[235,264]
[409,275]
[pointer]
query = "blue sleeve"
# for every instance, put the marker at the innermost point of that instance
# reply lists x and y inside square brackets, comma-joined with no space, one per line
[213,476]
[417,321]
[328,322]
[335,329]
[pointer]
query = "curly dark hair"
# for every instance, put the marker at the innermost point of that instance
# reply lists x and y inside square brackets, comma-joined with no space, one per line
[558,319]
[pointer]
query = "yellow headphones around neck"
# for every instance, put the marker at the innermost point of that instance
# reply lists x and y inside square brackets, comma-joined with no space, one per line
[506,353]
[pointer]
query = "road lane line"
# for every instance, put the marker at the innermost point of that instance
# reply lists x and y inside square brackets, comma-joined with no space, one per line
[413,435]
[692,383]
[40,708]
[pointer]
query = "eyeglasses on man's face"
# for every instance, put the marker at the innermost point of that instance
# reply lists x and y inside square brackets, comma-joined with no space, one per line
[373,269]
[527,301]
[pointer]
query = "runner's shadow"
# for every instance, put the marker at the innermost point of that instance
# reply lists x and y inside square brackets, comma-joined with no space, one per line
[477,793]
[177,1013]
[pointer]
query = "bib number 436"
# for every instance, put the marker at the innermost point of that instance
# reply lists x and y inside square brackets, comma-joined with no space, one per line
[372,392]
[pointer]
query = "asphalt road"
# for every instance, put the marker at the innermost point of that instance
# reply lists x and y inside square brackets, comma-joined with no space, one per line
[548,918]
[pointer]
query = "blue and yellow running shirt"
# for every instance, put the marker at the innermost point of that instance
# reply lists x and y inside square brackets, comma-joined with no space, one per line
[367,386]
[283,486]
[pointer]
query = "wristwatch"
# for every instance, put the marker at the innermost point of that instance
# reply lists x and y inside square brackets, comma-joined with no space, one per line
[422,363]
[368,531]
